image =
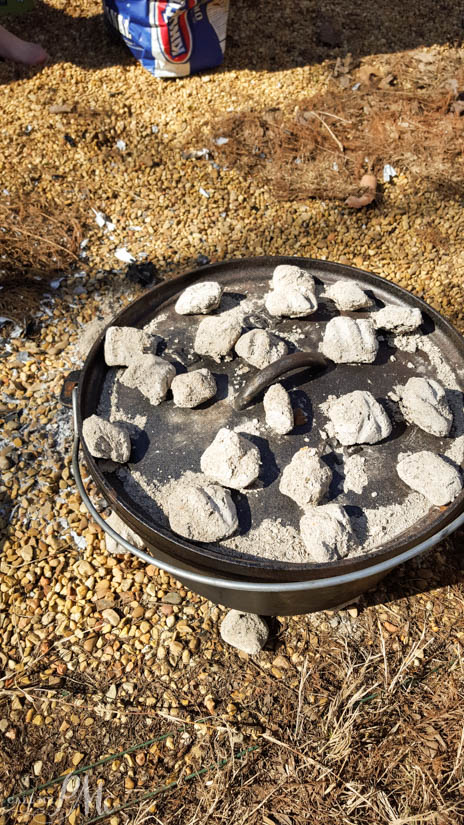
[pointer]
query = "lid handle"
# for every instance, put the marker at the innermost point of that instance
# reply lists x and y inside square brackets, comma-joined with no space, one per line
[268,375]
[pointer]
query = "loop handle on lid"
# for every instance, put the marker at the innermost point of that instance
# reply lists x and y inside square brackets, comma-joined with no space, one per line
[268,375]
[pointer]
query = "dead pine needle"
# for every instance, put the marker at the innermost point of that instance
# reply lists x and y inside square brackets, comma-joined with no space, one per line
[38,241]
[300,155]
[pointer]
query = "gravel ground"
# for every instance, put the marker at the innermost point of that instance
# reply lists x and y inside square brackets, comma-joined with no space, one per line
[349,716]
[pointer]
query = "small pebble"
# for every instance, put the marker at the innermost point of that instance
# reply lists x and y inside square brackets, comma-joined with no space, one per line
[173,597]
[111,617]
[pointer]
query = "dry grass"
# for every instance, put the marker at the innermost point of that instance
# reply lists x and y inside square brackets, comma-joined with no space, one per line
[367,729]
[364,752]
[367,735]
[38,241]
[362,726]
[319,146]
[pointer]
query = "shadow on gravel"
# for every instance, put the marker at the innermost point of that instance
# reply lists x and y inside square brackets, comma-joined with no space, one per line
[263,35]
[442,567]
[6,507]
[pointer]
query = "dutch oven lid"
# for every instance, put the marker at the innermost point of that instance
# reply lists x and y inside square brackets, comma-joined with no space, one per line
[172,440]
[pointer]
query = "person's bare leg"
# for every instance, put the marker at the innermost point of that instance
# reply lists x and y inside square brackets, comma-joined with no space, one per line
[21,51]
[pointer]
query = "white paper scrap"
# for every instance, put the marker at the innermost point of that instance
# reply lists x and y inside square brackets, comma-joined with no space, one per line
[388,173]
[123,255]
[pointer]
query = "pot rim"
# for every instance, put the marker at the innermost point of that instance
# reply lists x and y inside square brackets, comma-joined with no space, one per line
[237,583]
[268,569]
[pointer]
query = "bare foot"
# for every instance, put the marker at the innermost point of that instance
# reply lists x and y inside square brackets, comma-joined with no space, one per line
[21,51]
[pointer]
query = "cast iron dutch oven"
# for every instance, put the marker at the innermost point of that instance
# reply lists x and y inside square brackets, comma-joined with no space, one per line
[174,439]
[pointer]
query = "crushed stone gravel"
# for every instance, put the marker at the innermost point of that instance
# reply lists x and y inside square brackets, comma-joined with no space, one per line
[96,650]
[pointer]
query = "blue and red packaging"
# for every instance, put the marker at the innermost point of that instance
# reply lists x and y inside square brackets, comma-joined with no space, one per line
[172,38]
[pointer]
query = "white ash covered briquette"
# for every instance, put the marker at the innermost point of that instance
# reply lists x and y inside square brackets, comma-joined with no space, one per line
[423,402]
[397,319]
[293,293]
[350,341]
[430,475]
[199,299]
[358,418]
[88,335]
[278,410]
[106,440]
[216,336]
[348,296]
[260,348]
[245,631]
[306,479]
[288,276]
[327,533]
[231,460]
[124,345]
[124,531]
[151,375]
[190,389]
[289,303]
[202,512]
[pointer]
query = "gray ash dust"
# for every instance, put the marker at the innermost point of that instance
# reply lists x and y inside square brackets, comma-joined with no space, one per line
[176,438]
